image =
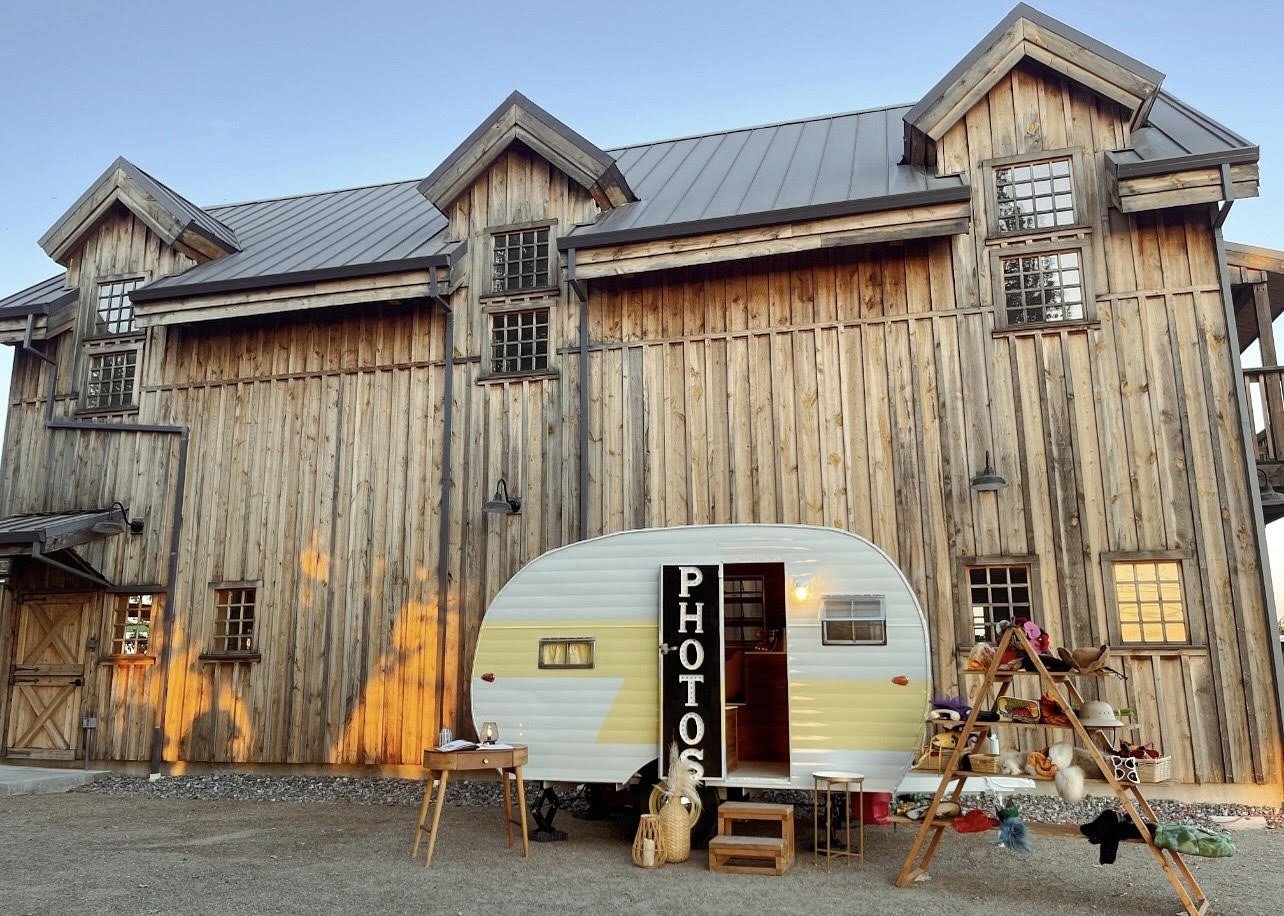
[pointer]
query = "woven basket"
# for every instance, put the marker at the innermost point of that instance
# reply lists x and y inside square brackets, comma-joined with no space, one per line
[649,830]
[984,763]
[675,825]
[1157,770]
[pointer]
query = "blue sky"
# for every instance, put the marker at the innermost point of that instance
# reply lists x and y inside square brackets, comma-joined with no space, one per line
[241,100]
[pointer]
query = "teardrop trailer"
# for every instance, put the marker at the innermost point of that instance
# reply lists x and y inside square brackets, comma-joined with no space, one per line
[767,652]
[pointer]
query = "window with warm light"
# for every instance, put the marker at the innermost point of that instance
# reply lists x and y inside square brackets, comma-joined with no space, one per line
[572,652]
[1150,601]
[131,626]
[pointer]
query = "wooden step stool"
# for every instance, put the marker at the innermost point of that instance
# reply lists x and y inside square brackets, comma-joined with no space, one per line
[752,855]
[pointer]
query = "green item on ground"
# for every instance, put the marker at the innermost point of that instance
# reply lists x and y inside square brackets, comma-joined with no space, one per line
[1190,840]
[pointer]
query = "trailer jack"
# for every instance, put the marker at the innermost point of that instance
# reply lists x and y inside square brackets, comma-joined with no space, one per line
[544,811]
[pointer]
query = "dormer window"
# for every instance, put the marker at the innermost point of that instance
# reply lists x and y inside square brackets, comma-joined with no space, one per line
[1034,195]
[520,260]
[115,312]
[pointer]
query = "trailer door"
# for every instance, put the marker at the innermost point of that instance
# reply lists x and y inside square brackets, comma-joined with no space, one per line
[691,667]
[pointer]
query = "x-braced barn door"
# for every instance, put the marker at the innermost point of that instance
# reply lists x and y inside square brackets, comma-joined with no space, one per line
[47,677]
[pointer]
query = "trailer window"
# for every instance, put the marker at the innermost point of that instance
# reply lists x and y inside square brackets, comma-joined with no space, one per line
[853,620]
[575,652]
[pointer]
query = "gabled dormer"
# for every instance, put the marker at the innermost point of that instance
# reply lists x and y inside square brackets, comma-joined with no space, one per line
[175,220]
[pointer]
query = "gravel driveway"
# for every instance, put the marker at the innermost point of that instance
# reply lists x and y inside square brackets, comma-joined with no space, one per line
[93,853]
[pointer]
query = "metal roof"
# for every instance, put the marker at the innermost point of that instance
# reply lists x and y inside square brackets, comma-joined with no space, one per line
[47,526]
[1175,136]
[40,298]
[373,229]
[823,166]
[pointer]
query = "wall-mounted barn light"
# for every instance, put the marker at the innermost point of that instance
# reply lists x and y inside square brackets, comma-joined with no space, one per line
[501,503]
[988,480]
[1271,497]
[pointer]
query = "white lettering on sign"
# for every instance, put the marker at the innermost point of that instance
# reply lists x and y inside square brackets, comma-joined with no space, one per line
[688,578]
[690,721]
[691,654]
[696,617]
[693,756]
[691,680]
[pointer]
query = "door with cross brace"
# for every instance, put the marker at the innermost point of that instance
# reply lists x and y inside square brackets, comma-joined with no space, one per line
[47,678]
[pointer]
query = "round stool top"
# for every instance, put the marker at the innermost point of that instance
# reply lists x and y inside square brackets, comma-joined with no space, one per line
[838,776]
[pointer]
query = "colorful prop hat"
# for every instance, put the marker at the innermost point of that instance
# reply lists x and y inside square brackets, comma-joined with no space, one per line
[1096,714]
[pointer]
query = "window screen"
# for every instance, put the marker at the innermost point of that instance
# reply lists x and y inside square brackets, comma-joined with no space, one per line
[853,620]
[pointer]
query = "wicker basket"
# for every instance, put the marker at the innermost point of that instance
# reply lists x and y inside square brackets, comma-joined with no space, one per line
[649,839]
[984,763]
[675,825]
[1158,770]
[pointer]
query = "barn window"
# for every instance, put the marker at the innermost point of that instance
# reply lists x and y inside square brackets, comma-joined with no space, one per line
[520,260]
[110,379]
[1042,287]
[131,626]
[1029,196]
[519,341]
[234,619]
[997,593]
[1150,601]
[115,311]
[559,652]
[853,620]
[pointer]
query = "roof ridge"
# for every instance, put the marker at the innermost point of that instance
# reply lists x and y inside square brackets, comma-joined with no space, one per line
[738,130]
[268,200]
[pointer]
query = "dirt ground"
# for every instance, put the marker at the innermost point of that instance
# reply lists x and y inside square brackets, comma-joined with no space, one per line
[83,853]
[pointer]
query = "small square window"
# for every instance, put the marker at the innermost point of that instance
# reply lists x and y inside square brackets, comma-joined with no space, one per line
[234,619]
[1042,288]
[997,593]
[131,626]
[109,380]
[520,260]
[115,312]
[853,620]
[519,341]
[1149,601]
[1034,195]
[575,652]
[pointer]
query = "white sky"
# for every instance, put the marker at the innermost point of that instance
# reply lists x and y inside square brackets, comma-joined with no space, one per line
[246,99]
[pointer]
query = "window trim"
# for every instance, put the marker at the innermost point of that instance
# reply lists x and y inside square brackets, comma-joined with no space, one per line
[1187,569]
[554,285]
[999,301]
[566,640]
[240,655]
[1078,188]
[511,304]
[882,618]
[963,620]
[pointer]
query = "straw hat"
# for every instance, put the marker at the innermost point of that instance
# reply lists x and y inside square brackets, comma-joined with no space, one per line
[1096,714]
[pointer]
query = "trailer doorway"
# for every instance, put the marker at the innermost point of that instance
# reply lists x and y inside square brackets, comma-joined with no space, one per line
[756,670]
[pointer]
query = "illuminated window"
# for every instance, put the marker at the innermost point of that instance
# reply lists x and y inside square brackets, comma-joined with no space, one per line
[234,618]
[997,593]
[131,626]
[1150,602]
[1034,195]
[575,652]
[853,620]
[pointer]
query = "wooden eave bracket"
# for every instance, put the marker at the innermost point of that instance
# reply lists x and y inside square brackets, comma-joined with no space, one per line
[120,187]
[522,121]
[1049,43]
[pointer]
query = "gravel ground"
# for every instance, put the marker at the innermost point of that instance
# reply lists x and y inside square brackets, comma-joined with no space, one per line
[247,844]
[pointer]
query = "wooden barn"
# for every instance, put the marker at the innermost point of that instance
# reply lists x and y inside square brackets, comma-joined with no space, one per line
[997,333]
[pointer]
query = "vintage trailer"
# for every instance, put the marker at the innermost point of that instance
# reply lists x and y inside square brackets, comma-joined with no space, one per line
[766,651]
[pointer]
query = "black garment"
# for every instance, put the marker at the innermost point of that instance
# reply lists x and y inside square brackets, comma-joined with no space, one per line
[1109,830]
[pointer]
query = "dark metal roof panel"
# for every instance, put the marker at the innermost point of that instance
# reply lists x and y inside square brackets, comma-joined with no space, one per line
[1174,130]
[318,235]
[828,161]
[40,526]
[40,298]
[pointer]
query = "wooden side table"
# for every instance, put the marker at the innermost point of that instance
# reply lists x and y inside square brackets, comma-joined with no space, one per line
[507,760]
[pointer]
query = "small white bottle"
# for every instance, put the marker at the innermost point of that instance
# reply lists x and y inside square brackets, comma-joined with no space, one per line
[991,745]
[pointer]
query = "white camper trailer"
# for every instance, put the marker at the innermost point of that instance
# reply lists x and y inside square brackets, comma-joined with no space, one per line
[766,651]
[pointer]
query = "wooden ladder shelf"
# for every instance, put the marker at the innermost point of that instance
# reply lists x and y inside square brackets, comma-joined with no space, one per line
[1056,686]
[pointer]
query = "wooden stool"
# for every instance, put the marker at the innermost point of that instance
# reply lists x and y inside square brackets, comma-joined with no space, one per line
[830,780]
[757,855]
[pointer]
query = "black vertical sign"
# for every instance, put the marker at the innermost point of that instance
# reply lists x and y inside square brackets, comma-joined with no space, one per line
[691,661]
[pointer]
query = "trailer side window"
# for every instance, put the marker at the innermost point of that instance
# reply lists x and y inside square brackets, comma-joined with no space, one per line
[575,652]
[853,620]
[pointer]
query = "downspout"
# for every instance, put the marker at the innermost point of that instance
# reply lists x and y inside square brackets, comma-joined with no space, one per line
[1250,461]
[443,532]
[176,528]
[582,295]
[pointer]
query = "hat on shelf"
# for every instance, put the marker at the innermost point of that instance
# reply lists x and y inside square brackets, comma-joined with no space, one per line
[1085,661]
[1096,714]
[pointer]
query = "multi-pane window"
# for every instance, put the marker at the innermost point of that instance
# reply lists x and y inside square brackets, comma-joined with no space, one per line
[997,593]
[109,379]
[1043,287]
[562,652]
[131,625]
[519,341]
[1034,195]
[520,260]
[853,620]
[115,314]
[1148,595]
[742,609]
[234,619]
